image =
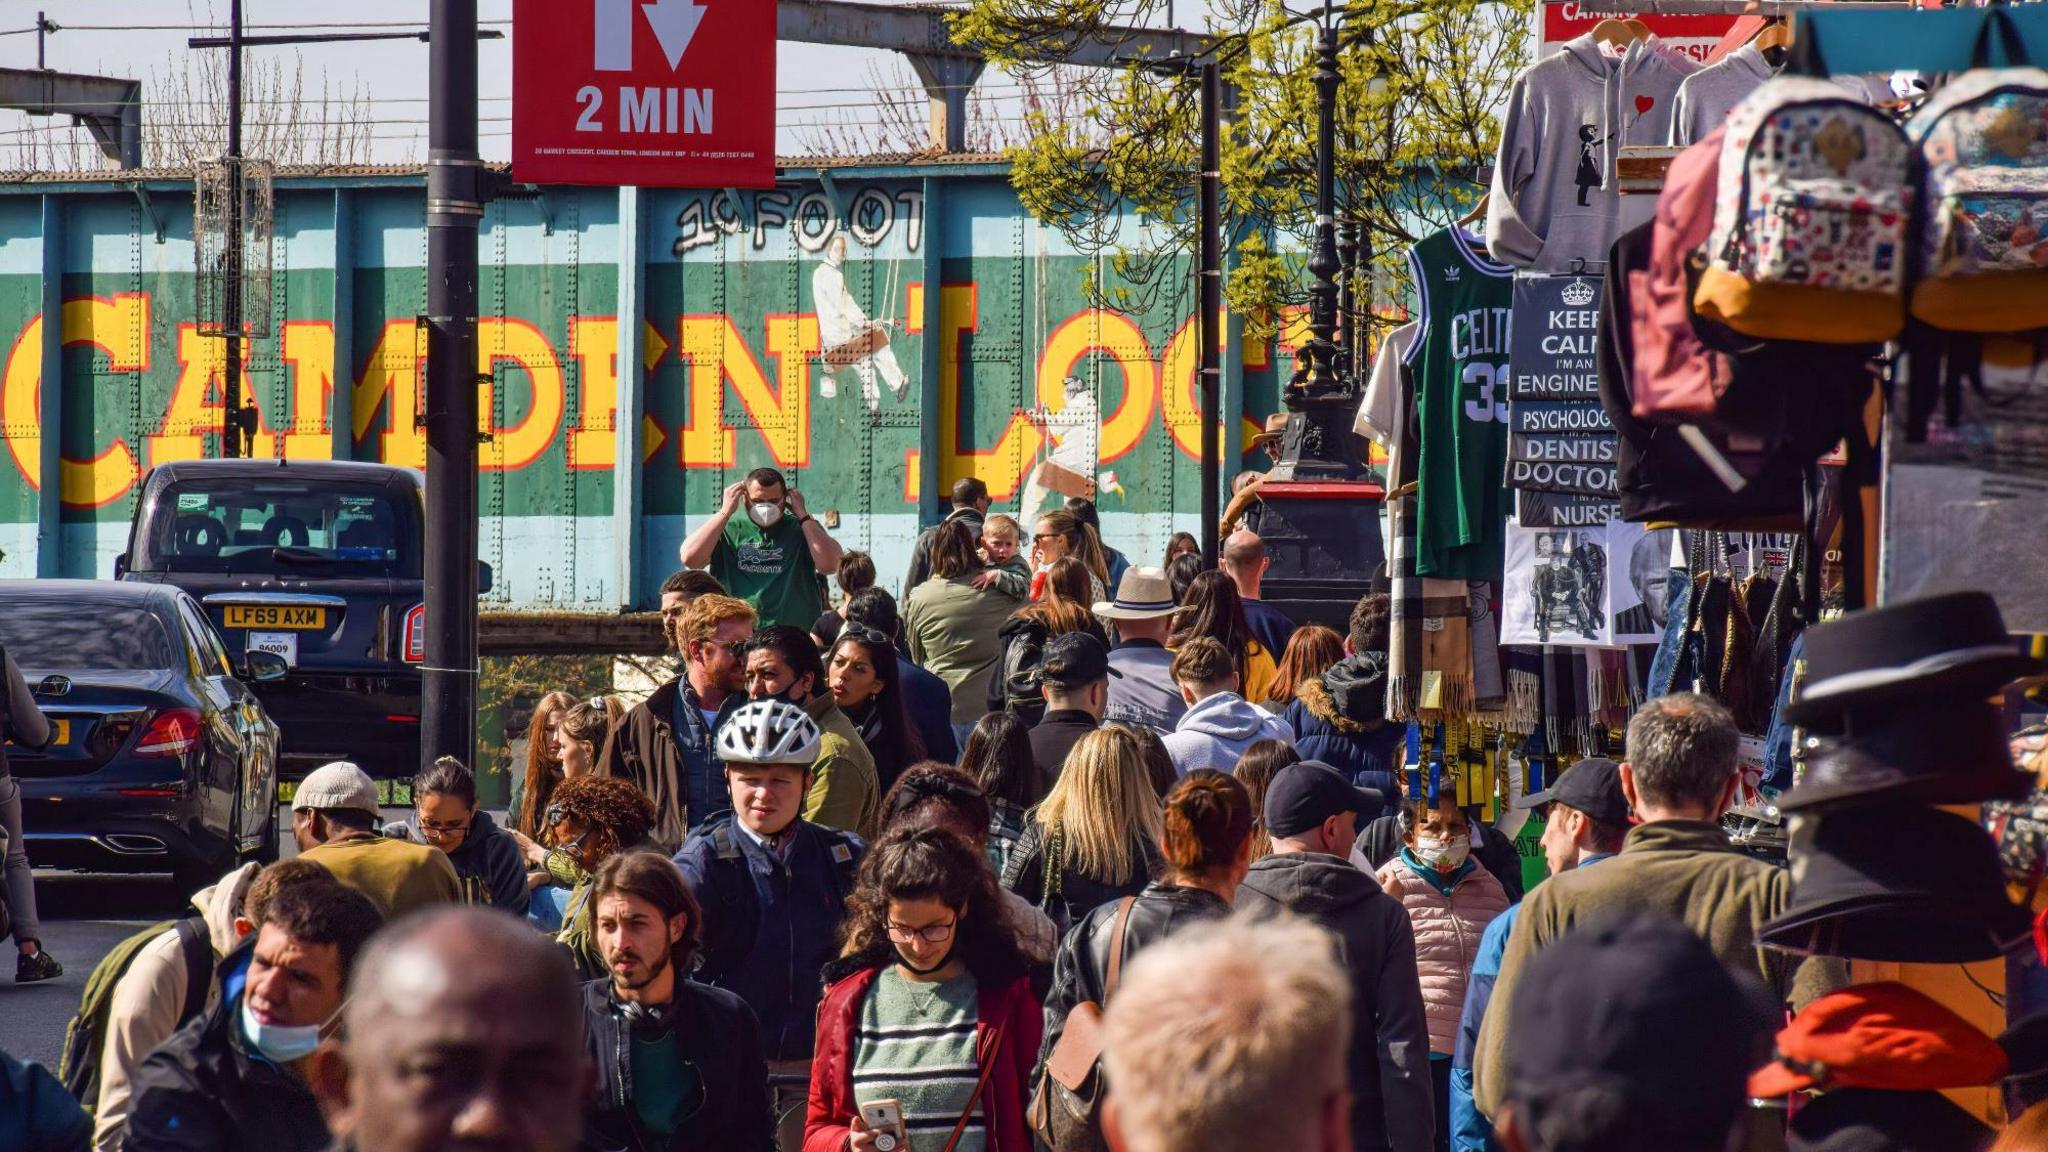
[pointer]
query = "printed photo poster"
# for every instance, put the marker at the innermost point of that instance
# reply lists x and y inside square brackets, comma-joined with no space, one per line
[1555,589]
[1639,597]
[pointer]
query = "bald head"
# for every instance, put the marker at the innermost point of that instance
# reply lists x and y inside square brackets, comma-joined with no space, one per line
[487,1004]
[1244,560]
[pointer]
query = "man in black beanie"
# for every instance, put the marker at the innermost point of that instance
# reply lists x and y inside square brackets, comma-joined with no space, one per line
[1312,813]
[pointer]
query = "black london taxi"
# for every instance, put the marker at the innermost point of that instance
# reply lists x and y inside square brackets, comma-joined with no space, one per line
[317,562]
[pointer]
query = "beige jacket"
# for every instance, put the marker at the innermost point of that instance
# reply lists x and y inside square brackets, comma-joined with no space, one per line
[144,1010]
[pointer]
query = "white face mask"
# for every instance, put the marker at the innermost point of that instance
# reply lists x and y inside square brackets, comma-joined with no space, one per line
[764,513]
[280,1043]
[1443,855]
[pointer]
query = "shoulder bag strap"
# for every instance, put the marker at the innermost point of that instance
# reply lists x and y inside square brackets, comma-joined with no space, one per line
[1116,947]
[988,1065]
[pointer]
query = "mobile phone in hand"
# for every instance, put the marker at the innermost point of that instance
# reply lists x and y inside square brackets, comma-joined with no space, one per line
[885,1119]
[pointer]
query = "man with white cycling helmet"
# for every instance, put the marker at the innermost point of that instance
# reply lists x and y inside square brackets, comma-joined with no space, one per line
[773,885]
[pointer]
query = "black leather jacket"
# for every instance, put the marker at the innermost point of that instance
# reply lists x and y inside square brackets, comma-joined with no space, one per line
[716,1034]
[1082,966]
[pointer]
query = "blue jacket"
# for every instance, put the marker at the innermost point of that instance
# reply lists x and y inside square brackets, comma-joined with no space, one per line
[930,705]
[1339,718]
[771,922]
[36,1113]
[1470,1130]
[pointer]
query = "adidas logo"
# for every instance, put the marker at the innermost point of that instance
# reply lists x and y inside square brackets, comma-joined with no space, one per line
[1451,274]
[1578,293]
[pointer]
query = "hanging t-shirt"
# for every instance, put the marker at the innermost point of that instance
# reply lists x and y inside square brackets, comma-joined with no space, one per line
[1459,362]
[771,569]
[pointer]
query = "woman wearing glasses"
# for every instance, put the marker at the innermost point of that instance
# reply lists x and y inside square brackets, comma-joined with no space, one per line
[486,857]
[862,673]
[591,820]
[930,1006]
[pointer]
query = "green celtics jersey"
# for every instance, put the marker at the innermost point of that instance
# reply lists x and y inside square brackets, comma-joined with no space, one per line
[1459,361]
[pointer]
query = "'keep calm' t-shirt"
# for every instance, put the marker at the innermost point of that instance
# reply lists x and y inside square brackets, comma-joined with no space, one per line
[771,569]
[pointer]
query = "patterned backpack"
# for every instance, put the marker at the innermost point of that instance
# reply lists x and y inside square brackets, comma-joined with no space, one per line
[1984,243]
[1810,220]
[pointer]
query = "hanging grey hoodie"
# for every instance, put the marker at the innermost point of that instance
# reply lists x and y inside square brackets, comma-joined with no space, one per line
[1708,95]
[1554,198]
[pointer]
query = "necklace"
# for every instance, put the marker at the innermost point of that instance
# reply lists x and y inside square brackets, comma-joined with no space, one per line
[924,1002]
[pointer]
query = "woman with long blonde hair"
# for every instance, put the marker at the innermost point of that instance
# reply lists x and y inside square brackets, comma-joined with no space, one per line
[1095,836]
[1062,609]
[531,790]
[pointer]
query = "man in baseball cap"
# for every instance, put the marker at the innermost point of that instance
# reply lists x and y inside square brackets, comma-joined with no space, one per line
[1585,821]
[334,819]
[1073,673]
[1311,811]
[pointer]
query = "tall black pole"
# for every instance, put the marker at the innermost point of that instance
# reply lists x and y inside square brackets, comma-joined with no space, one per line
[233,441]
[1209,306]
[455,207]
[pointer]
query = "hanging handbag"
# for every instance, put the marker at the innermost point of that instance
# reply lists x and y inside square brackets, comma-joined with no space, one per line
[1066,1103]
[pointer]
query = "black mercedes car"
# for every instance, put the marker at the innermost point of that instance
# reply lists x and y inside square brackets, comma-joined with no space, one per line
[160,758]
[318,562]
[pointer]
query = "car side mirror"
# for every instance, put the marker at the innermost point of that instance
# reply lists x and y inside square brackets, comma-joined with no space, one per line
[483,577]
[264,667]
[120,566]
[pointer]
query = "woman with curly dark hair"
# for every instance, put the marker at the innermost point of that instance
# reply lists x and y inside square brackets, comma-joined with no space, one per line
[930,1005]
[590,820]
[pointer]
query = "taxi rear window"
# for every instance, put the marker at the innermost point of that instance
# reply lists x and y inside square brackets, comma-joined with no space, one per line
[276,524]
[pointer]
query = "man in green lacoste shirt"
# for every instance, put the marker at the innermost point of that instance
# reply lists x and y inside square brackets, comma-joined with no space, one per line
[770,556]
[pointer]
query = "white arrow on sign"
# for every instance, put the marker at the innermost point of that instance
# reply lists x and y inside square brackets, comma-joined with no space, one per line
[675,25]
[612,39]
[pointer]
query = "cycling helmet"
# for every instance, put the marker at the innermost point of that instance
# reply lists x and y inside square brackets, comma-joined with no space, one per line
[768,732]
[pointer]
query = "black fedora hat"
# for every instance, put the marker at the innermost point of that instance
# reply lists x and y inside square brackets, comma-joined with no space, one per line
[1899,882]
[1954,645]
[1930,752]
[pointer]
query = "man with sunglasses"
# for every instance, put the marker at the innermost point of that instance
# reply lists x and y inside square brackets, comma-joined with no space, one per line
[771,884]
[663,745]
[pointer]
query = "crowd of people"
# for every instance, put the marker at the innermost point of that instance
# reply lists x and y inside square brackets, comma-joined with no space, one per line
[1060,850]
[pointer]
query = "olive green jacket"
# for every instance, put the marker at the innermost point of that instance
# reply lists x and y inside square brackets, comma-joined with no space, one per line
[846,791]
[1683,869]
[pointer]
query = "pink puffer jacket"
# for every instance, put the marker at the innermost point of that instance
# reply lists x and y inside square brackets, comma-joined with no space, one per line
[1447,931]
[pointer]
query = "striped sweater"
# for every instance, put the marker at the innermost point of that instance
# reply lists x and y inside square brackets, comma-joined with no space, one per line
[915,1045]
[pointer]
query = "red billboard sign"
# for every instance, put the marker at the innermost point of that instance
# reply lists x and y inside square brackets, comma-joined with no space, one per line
[1692,34]
[679,93]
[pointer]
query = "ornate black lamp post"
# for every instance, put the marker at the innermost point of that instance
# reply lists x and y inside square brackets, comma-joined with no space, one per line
[1318,513]
[1323,393]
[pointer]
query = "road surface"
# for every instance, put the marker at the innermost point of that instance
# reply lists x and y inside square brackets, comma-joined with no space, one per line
[84,915]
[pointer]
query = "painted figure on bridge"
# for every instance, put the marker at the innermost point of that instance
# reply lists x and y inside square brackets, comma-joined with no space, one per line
[850,339]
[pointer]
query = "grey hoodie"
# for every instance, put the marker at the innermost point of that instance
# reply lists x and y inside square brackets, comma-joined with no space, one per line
[1389,1060]
[1216,730]
[1554,198]
[1707,96]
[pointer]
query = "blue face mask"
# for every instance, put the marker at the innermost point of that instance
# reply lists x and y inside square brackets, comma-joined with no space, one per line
[280,1043]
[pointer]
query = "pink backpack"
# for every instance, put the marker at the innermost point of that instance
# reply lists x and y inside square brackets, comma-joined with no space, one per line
[1676,378]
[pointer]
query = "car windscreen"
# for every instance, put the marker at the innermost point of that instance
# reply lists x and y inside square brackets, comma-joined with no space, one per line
[58,634]
[277,524]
